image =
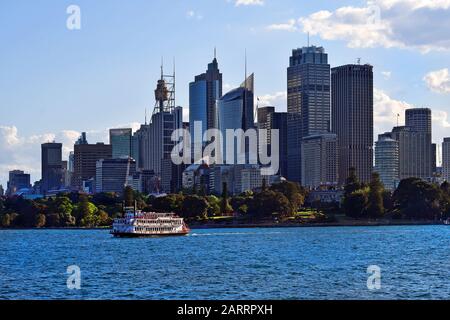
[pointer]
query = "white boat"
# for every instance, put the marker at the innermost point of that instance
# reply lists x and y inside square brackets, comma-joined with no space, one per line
[148,224]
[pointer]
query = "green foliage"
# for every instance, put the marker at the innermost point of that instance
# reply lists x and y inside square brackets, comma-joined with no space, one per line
[352,183]
[417,199]
[355,204]
[128,196]
[294,193]
[375,208]
[268,203]
[225,207]
[213,206]
[169,203]
[40,221]
[194,206]
[6,220]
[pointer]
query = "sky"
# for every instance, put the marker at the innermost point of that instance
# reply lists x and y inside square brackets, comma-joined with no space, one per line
[56,82]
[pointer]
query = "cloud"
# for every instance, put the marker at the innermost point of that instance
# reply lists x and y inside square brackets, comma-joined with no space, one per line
[383,23]
[191,14]
[291,25]
[278,99]
[438,81]
[386,74]
[249,3]
[386,109]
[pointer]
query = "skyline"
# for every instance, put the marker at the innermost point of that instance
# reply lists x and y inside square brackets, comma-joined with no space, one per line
[85,71]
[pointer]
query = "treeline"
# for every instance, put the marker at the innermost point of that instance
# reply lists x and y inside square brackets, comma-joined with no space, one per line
[80,210]
[413,199]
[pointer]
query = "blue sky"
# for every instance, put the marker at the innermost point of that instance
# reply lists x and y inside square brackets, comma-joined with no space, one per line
[55,82]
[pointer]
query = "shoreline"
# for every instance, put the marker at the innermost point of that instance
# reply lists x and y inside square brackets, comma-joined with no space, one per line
[200,226]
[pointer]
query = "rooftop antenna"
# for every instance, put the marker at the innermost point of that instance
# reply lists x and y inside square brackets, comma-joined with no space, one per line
[246,68]
[162,68]
[359,61]
[174,69]
[215,52]
[308,39]
[145,116]
[398,116]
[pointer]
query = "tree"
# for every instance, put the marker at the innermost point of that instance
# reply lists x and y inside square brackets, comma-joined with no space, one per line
[103,218]
[128,196]
[268,203]
[294,193]
[352,183]
[85,213]
[40,221]
[194,206]
[355,204]
[375,208]
[6,221]
[417,199]
[213,206]
[225,207]
[169,203]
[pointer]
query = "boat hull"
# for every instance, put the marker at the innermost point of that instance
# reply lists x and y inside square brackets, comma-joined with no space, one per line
[139,235]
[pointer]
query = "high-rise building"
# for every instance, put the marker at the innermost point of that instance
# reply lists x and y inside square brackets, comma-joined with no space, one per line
[17,180]
[446,159]
[414,153]
[85,162]
[352,119]
[120,141]
[235,111]
[113,175]
[308,89]
[203,94]
[82,139]
[319,161]
[51,162]
[387,161]
[419,119]
[270,120]
[2,191]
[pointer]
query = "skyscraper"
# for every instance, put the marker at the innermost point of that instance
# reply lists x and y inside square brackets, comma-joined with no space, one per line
[446,159]
[203,94]
[270,120]
[419,119]
[235,111]
[308,87]
[51,162]
[85,161]
[17,180]
[319,160]
[113,175]
[352,119]
[120,141]
[387,161]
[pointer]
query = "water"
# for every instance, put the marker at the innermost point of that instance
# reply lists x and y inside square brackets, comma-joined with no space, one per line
[299,263]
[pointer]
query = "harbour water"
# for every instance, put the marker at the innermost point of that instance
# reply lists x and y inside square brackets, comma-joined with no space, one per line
[284,263]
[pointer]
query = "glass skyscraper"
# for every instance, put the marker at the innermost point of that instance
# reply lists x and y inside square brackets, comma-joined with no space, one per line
[120,140]
[308,84]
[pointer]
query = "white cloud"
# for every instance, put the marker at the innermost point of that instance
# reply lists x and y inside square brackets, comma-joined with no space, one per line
[249,3]
[278,99]
[383,23]
[386,74]
[191,14]
[291,25]
[438,81]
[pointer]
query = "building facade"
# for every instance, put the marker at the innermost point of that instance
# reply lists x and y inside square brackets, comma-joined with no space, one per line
[85,162]
[113,175]
[17,180]
[446,159]
[352,119]
[387,161]
[120,141]
[308,90]
[319,161]
[51,161]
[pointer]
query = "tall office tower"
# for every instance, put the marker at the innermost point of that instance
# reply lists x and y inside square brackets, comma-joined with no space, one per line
[2,191]
[203,94]
[308,87]
[66,174]
[156,143]
[120,141]
[51,161]
[70,165]
[446,159]
[387,161]
[414,153]
[135,147]
[82,139]
[85,162]
[17,180]
[113,175]
[270,120]
[434,152]
[235,111]
[419,119]
[319,161]
[352,119]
